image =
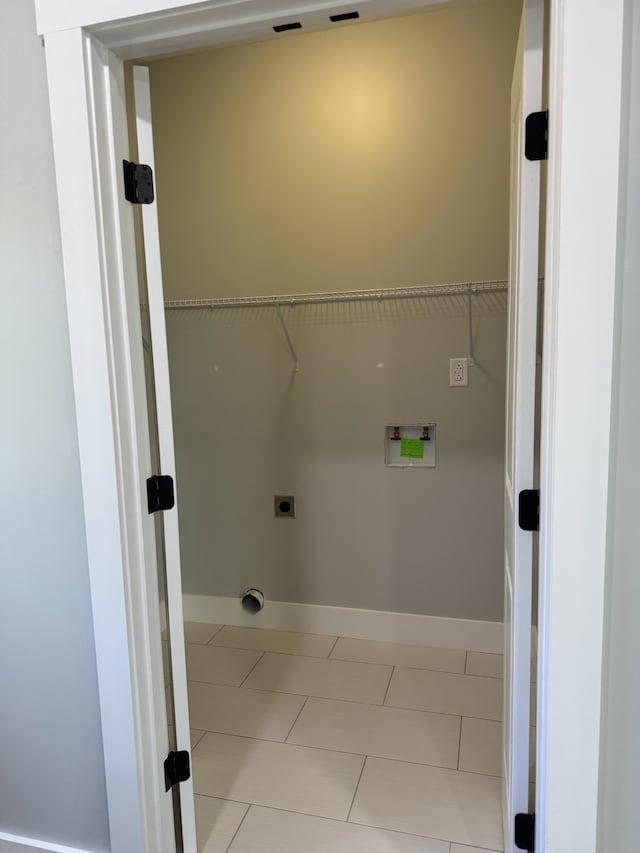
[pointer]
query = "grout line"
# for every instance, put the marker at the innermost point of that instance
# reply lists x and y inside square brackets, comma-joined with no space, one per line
[342,752]
[459,745]
[341,660]
[407,666]
[339,699]
[223,799]
[276,652]
[286,740]
[251,670]
[444,713]
[214,635]
[331,650]
[333,820]
[393,669]
[345,752]
[355,793]
[228,847]
[302,746]
[466,661]
[193,745]
[338,660]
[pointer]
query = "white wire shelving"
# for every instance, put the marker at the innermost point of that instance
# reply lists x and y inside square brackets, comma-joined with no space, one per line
[383,294]
[463,289]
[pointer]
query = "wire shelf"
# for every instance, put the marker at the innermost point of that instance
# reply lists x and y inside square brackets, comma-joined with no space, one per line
[381,295]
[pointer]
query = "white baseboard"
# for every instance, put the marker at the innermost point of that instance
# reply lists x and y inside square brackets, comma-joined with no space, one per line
[10,843]
[408,628]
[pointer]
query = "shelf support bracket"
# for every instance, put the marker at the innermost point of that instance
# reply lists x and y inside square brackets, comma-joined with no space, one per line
[285,332]
[470,324]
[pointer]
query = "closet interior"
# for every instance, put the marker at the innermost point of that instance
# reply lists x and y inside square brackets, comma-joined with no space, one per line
[334,223]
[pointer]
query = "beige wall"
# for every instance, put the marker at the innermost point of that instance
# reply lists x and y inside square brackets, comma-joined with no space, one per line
[372,155]
[366,156]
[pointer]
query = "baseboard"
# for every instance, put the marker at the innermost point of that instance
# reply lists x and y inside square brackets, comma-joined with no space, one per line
[350,622]
[20,844]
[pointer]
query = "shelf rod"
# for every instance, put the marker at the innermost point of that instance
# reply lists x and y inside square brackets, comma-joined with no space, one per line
[391,293]
[296,363]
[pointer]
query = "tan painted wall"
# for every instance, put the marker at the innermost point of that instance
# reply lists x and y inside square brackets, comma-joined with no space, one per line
[372,155]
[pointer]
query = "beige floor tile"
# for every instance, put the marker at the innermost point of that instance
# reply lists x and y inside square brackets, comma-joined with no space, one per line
[166,662]
[462,848]
[199,632]
[313,781]
[447,804]
[263,640]
[481,663]
[397,654]
[327,679]
[234,710]
[169,704]
[196,735]
[273,831]
[533,707]
[216,823]
[532,754]
[219,666]
[376,730]
[481,746]
[446,693]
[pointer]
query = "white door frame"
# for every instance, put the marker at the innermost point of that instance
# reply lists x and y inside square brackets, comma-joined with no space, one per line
[89,133]
[580,278]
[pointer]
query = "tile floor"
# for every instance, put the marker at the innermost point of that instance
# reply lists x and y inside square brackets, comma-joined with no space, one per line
[310,743]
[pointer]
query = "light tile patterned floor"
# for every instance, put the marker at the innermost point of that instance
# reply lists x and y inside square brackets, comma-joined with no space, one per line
[303,742]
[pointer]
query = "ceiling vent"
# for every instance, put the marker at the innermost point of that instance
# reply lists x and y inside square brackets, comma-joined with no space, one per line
[282,28]
[344,16]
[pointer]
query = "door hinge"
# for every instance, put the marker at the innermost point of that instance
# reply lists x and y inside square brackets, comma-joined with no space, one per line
[138,182]
[524,833]
[529,509]
[536,135]
[177,768]
[160,493]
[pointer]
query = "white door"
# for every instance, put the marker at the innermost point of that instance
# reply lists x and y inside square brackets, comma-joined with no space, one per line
[526,98]
[170,580]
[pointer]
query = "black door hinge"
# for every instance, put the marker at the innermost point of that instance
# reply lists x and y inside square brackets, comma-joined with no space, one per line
[138,182]
[524,834]
[536,135]
[160,493]
[529,509]
[176,768]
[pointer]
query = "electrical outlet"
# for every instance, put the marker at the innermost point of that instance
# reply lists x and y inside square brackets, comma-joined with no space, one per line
[458,372]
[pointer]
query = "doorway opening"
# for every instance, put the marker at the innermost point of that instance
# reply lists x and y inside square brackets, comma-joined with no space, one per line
[334,229]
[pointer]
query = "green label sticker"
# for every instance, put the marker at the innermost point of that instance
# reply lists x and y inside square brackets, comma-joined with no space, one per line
[413,448]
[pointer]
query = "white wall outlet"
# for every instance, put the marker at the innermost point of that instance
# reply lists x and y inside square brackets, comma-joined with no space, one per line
[458,372]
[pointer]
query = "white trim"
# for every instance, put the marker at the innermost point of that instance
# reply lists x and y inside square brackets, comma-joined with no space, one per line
[93,337]
[173,577]
[524,248]
[411,628]
[14,843]
[580,278]
[137,28]
[87,95]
